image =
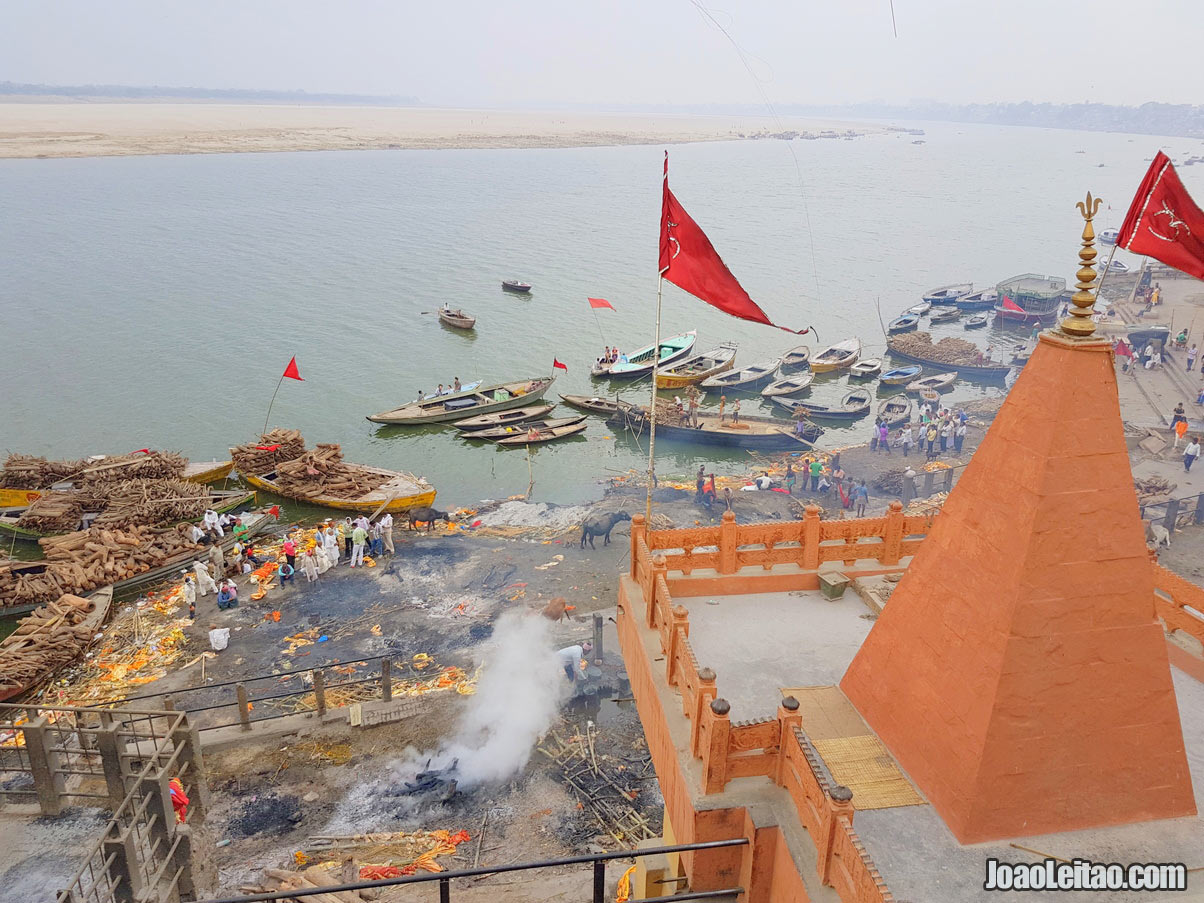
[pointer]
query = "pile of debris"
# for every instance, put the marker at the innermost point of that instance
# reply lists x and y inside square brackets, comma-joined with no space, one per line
[890,481]
[313,877]
[82,561]
[948,350]
[321,472]
[1153,487]
[273,448]
[52,636]
[53,512]
[605,788]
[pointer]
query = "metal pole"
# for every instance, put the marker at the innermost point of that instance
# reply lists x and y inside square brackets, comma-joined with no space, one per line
[656,358]
[599,882]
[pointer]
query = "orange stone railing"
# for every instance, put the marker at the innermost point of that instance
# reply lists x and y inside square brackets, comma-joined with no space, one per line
[1179,602]
[807,543]
[774,748]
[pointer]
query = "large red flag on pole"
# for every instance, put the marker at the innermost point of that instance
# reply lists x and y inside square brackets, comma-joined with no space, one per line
[690,261]
[1163,221]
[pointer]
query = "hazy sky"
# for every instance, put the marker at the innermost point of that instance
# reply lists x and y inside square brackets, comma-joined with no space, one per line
[531,52]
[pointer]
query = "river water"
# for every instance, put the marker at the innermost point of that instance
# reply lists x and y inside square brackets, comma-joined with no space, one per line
[154,301]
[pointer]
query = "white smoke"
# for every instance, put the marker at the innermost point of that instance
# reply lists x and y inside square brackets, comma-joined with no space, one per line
[521,689]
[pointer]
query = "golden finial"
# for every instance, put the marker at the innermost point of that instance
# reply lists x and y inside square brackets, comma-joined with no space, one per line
[1079,323]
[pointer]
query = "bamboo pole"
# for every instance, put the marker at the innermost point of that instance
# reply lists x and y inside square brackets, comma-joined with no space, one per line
[656,358]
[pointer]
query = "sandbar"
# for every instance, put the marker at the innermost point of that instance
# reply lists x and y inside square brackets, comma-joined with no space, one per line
[38,129]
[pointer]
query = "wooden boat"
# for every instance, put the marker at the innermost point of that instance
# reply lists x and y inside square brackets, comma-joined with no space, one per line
[697,368]
[592,403]
[948,294]
[13,645]
[467,402]
[901,376]
[513,285]
[207,471]
[788,385]
[1109,237]
[18,498]
[977,322]
[457,318]
[630,366]
[399,492]
[503,418]
[748,432]
[903,323]
[529,437]
[984,371]
[930,395]
[919,309]
[944,315]
[796,359]
[855,404]
[837,357]
[220,501]
[518,429]
[895,410]
[865,369]
[937,382]
[747,379]
[981,300]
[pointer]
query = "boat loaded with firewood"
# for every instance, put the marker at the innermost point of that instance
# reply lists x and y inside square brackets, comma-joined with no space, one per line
[697,367]
[467,403]
[51,637]
[949,354]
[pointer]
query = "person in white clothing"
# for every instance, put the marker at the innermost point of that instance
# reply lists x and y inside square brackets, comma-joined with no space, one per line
[189,592]
[570,659]
[362,522]
[309,564]
[213,523]
[386,526]
[204,582]
[196,534]
[331,542]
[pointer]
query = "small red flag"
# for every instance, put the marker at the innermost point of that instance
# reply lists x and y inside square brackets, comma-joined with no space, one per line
[1009,304]
[267,447]
[556,365]
[1123,349]
[598,303]
[274,511]
[690,261]
[1164,222]
[291,371]
[141,451]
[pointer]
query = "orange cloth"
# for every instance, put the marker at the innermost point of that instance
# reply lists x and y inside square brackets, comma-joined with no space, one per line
[1181,428]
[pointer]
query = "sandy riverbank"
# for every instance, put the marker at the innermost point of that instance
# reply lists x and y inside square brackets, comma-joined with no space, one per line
[119,129]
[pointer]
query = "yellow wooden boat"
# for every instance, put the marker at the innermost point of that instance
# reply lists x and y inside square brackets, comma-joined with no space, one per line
[18,498]
[840,356]
[207,471]
[697,368]
[400,492]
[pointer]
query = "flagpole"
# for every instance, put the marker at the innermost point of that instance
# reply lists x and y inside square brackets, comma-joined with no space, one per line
[272,402]
[656,357]
[1104,274]
[599,323]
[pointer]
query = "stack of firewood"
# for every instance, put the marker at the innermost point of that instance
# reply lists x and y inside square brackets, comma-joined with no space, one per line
[151,502]
[54,512]
[31,472]
[272,449]
[87,559]
[152,466]
[52,636]
[948,350]
[315,877]
[321,472]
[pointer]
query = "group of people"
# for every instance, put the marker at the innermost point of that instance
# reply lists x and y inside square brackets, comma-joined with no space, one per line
[938,432]
[612,356]
[1191,450]
[442,390]
[352,538]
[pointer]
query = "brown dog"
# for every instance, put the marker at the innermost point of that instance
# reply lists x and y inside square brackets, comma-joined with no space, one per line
[557,608]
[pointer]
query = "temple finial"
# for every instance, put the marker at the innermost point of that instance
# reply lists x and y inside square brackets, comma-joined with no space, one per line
[1079,323]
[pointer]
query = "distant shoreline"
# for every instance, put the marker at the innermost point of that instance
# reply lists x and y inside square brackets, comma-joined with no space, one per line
[34,128]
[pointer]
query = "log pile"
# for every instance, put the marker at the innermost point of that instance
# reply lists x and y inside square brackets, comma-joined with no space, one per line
[948,350]
[52,636]
[31,472]
[314,877]
[1152,487]
[82,561]
[272,449]
[321,472]
[54,512]
[152,466]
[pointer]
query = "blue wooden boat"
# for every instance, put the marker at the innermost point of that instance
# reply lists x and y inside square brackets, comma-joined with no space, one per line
[949,294]
[980,300]
[901,376]
[903,324]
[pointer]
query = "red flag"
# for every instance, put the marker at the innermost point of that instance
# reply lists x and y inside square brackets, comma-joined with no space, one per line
[1123,349]
[598,303]
[1164,222]
[556,365]
[1009,304]
[141,451]
[690,261]
[291,371]
[274,511]
[267,447]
